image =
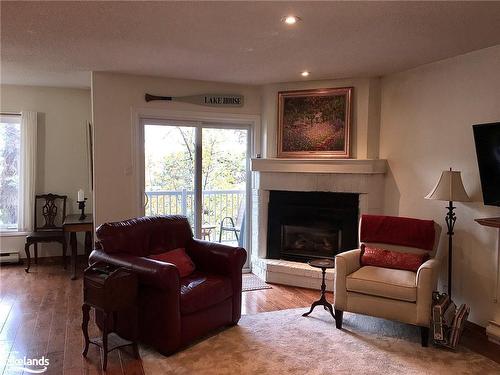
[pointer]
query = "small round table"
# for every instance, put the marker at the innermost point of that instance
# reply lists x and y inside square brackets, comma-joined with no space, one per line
[323,264]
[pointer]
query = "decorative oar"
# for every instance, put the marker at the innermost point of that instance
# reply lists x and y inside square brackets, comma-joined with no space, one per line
[211,100]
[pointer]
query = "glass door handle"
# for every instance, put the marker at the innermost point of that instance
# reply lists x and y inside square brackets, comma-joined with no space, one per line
[146,199]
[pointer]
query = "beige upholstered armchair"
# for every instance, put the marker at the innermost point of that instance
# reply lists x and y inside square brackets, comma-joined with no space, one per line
[397,294]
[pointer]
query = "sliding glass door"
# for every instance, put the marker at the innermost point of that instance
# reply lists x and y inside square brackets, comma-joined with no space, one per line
[223,185]
[200,170]
[169,162]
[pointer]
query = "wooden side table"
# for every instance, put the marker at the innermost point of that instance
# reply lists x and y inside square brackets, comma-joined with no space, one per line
[493,327]
[206,231]
[109,291]
[72,225]
[324,264]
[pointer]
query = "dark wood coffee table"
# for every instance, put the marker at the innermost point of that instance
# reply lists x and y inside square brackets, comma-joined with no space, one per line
[324,264]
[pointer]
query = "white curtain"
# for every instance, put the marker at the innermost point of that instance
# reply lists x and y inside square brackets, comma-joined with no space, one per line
[27,177]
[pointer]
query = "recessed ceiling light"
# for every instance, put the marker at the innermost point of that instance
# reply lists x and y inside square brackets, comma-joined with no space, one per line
[305,73]
[290,20]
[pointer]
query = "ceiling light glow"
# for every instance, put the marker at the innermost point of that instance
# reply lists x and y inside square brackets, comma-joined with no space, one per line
[305,73]
[290,20]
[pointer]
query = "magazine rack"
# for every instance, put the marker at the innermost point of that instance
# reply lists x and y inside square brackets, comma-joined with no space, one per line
[447,321]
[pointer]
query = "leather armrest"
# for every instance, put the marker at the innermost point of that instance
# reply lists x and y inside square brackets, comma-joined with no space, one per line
[345,264]
[224,260]
[151,272]
[216,258]
[427,275]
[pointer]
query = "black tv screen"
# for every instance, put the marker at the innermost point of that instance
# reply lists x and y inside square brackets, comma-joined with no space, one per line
[487,139]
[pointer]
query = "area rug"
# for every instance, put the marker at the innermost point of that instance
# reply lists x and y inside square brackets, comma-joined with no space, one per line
[252,282]
[284,342]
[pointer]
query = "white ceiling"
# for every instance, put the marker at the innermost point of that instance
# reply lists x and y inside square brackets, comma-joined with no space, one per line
[58,43]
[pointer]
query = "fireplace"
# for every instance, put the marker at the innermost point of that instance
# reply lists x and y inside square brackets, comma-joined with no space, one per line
[308,225]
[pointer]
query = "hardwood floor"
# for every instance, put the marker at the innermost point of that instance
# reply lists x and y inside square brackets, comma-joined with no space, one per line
[40,315]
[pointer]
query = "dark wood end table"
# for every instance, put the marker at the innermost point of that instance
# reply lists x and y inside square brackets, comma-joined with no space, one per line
[72,225]
[324,264]
[109,291]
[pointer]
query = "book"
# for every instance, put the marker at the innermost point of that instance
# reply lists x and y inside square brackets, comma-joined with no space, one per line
[453,331]
[440,304]
[458,325]
[449,314]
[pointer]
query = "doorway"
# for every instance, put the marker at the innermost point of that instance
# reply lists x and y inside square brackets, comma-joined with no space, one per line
[199,170]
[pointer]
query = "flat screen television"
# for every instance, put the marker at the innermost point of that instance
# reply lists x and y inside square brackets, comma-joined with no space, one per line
[487,139]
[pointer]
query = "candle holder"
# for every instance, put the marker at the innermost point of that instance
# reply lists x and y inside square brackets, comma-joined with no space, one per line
[81,206]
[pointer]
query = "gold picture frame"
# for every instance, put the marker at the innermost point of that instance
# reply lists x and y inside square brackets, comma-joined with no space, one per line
[314,123]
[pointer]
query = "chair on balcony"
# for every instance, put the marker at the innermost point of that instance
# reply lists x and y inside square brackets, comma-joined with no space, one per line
[228,224]
[52,208]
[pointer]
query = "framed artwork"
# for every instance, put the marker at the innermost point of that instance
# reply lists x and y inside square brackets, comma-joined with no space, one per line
[314,123]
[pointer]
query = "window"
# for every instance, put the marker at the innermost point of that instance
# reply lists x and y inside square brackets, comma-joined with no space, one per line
[18,150]
[10,171]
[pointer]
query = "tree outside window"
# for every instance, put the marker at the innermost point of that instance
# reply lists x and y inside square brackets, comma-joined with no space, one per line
[10,140]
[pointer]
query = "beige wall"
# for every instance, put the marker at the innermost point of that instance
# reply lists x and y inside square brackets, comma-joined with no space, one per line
[114,98]
[426,126]
[62,147]
[365,119]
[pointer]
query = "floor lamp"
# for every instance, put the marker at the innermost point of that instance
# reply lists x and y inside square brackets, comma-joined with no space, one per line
[451,189]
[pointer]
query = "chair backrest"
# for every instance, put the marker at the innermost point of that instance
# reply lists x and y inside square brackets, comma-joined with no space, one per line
[144,236]
[50,211]
[400,233]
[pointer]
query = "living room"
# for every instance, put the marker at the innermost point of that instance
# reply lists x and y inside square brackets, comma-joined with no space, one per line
[414,79]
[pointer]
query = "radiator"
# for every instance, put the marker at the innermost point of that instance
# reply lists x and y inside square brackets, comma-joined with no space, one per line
[9,256]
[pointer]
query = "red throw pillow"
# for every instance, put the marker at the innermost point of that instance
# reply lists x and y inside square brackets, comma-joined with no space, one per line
[177,257]
[391,259]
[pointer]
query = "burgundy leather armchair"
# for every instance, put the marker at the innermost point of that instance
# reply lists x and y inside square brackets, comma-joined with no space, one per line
[173,311]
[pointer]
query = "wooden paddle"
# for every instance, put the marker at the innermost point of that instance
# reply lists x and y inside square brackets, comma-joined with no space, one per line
[211,100]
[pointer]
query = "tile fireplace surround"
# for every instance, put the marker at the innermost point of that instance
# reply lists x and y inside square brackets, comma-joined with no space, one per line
[363,176]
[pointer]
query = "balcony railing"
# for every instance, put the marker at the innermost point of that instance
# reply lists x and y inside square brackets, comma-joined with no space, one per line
[217,204]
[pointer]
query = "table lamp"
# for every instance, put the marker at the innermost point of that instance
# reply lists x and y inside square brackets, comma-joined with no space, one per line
[449,188]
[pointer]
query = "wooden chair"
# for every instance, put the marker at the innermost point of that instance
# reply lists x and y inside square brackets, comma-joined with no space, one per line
[52,229]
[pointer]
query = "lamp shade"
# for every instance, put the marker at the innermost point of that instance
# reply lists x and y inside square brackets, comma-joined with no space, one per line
[449,188]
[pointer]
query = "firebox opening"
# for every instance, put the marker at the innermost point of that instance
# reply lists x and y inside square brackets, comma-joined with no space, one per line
[311,225]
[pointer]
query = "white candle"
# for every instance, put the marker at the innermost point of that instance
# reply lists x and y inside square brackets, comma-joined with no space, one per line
[81,197]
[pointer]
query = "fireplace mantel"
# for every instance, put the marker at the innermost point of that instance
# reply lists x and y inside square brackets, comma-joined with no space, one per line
[352,166]
[365,177]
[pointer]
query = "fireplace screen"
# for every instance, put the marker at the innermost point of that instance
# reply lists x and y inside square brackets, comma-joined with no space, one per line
[310,241]
[309,225]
